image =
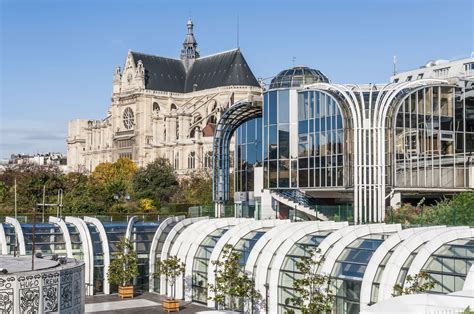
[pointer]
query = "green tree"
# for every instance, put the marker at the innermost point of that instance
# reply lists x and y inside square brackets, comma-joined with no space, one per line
[419,283]
[171,268]
[30,178]
[195,188]
[156,181]
[232,285]
[455,211]
[312,290]
[124,266]
[79,195]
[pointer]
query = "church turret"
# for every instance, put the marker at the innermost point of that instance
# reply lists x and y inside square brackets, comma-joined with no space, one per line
[189,52]
[117,80]
[140,75]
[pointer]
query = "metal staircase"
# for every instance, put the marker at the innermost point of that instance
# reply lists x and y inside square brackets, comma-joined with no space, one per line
[299,201]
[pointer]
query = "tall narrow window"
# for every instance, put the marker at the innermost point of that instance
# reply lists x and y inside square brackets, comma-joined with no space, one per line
[192,160]
[176,161]
[208,160]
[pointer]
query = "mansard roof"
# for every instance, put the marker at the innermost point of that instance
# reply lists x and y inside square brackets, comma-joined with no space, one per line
[227,68]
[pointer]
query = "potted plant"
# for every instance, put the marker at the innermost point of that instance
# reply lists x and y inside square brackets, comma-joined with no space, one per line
[123,269]
[171,268]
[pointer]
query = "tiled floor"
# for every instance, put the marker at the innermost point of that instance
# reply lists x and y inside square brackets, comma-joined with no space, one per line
[144,303]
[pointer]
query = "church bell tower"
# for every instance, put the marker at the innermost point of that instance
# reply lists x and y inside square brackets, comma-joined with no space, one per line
[189,52]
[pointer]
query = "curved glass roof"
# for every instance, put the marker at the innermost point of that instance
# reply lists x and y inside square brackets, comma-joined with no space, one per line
[296,77]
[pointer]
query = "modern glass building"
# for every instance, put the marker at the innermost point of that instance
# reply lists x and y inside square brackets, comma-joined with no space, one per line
[328,146]
[364,262]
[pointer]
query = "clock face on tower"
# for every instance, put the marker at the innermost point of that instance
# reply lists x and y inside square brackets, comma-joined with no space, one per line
[128,118]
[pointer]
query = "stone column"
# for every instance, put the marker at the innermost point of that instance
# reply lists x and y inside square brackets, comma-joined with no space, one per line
[181,128]
[171,132]
[160,129]
[185,126]
[168,129]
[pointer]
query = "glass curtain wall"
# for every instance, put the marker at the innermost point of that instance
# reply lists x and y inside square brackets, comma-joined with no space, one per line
[48,239]
[433,138]
[76,243]
[449,265]
[200,264]
[248,154]
[349,269]
[159,248]
[141,238]
[374,294]
[244,246]
[320,140]
[289,272]
[280,160]
[98,254]
[115,233]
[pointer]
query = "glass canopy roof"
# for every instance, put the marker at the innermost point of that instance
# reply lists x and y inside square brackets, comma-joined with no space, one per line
[296,77]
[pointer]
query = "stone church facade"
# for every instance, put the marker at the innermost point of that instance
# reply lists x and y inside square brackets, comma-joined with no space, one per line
[163,107]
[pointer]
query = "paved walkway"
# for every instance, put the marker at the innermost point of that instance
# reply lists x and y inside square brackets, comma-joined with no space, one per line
[143,304]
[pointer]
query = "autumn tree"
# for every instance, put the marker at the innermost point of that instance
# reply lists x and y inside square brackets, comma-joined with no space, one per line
[112,184]
[195,188]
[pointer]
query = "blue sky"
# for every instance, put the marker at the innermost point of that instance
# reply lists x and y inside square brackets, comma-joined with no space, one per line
[57,57]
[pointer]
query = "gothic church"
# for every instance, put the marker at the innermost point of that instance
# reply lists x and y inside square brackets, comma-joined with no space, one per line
[163,107]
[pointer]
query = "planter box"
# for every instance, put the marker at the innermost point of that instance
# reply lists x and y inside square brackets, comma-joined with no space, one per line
[126,292]
[170,305]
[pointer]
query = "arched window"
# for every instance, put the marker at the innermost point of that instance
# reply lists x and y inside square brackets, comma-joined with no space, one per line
[208,160]
[177,130]
[128,118]
[194,132]
[192,160]
[173,107]
[176,161]
[156,107]
[428,136]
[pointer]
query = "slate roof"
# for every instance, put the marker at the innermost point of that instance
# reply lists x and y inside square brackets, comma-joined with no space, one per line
[223,69]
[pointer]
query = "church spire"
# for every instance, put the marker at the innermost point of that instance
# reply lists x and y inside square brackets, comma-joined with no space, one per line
[189,51]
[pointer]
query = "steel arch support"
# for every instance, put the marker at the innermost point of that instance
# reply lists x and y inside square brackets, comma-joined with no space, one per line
[88,251]
[3,241]
[400,255]
[378,257]
[275,263]
[230,120]
[232,237]
[105,249]
[170,240]
[19,233]
[154,246]
[67,237]
[434,244]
